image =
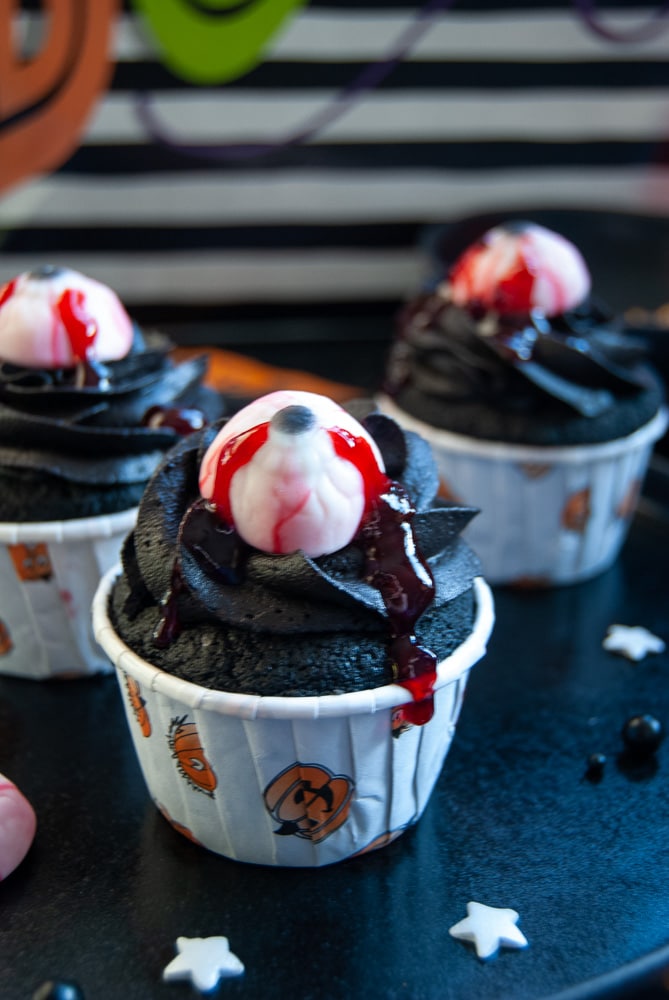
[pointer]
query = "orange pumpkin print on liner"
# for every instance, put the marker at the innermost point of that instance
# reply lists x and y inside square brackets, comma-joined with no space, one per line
[31,562]
[308,801]
[576,511]
[186,747]
[138,705]
[179,827]
[6,644]
[629,502]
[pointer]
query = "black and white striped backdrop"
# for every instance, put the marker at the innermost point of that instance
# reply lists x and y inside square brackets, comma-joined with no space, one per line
[310,179]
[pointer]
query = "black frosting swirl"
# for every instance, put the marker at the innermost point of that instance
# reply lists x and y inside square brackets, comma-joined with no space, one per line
[571,371]
[92,435]
[289,594]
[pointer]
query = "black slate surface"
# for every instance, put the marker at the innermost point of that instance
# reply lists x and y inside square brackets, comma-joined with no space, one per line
[108,885]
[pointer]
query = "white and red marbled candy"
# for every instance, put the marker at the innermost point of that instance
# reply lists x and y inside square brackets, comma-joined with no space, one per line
[17,826]
[293,492]
[520,269]
[57,317]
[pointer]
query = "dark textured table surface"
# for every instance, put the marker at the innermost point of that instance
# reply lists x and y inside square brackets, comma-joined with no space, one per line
[108,885]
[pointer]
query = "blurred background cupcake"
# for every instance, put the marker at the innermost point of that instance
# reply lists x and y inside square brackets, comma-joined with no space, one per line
[539,410]
[88,406]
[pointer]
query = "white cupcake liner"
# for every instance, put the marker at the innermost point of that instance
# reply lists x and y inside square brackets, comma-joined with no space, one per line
[295,782]
[49,572]
[548,515]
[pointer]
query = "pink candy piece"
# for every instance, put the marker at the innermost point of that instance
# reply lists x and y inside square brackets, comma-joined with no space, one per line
[520,269]
[294,492]
[17,826]
[42,314]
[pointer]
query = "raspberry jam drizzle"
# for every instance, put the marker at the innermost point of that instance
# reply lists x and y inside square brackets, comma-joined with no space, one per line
[82,332]
[393,564]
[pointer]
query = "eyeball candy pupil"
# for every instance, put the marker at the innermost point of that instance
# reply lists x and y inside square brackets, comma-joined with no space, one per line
[520,268]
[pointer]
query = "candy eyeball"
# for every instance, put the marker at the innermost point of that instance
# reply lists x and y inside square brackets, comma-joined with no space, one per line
[292,471]
[519,268]
[56,318]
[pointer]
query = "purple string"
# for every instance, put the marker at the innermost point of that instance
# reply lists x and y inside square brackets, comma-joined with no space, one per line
[587,10]
[369,78]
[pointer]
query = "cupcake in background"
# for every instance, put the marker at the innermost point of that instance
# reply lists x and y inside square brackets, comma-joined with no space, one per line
[88,407]
[538,409]
[293,631]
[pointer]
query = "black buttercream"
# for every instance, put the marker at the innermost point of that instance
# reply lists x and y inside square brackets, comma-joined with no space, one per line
[288,609]
[68,450]
[570,379]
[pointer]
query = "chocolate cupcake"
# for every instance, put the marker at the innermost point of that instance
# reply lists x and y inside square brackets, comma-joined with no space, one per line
[88,407]
[293,591]
[538,409]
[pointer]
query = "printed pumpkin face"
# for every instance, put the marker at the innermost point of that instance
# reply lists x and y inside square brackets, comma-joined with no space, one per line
[138,705]
[309,801]
[186,747]
[576,511]
[31,562]
[6,644]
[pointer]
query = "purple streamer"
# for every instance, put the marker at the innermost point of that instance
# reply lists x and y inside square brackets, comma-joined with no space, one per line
[369,78]
[587,10]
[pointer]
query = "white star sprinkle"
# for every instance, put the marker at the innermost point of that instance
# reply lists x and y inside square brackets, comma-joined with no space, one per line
[489,927]
[633,642]
[204,961]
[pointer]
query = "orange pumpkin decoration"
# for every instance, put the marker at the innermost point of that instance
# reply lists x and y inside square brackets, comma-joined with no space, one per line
[31,562]
[138,705]
[186,747]
[308,801]
[576,511]
[6,644]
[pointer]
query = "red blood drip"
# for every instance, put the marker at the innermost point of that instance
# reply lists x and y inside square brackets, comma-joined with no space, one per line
[394,565]
[235,454]
[7,291]
[358,451]
[182,421]
[80,328]
[514,294]
[169,626]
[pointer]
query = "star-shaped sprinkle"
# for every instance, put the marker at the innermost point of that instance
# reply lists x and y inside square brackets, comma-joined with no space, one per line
[634,642]
[204,961]
[490,928]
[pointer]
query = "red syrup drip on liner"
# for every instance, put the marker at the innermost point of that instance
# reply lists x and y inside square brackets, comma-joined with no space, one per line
[393,563]
[7,291]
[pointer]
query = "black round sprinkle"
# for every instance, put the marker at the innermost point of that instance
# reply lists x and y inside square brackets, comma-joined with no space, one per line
[596,762]
[642,735]
[46,271]
[294,419]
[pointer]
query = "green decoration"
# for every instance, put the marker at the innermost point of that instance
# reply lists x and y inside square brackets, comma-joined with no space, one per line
[213,41]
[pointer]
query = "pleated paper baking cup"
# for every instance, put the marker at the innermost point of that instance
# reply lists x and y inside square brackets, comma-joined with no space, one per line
[49,572]
[548,515]
[296,782]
